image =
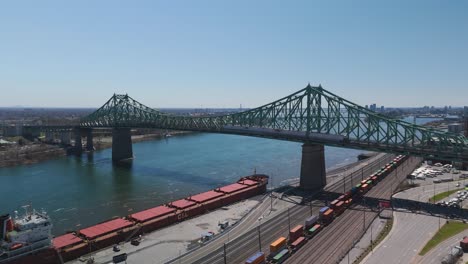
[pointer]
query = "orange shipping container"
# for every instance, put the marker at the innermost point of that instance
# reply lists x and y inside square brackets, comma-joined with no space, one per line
[277,245]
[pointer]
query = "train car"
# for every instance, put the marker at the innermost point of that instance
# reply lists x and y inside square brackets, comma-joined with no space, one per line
[295,233]
[257,258]
[327,217]
[310,221]
[281,256]
[339,208]
[323,210]
[277,246]
[311,232]
[298,243]
[364,188]
[334,203]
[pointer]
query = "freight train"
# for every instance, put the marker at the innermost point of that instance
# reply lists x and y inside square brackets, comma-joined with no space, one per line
[283,247]
[75,244]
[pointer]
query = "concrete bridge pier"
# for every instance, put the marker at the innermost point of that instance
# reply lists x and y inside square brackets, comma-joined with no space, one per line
[65,137]
[89,139]
[78,144]
[313,175]
[49,136]
[121,144]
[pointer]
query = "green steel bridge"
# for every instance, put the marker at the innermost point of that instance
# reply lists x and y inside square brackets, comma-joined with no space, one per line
[312,115]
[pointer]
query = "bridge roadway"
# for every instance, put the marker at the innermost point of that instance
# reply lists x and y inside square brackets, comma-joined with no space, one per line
[243,243]
[330,245]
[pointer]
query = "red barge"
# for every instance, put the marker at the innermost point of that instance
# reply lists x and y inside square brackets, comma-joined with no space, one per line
[73,245]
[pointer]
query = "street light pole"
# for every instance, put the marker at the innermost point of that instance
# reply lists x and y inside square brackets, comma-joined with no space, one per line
[289,220]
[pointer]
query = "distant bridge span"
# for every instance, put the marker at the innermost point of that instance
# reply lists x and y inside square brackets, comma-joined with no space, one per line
[312,114]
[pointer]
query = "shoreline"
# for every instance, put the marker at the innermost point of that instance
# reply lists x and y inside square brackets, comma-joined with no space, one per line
[39,152]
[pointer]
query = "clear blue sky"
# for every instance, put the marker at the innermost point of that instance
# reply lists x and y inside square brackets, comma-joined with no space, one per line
[227,53]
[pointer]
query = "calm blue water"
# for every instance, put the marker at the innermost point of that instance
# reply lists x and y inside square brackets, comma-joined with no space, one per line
[79,192]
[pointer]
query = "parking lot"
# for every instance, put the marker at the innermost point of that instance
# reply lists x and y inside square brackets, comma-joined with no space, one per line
[445,179]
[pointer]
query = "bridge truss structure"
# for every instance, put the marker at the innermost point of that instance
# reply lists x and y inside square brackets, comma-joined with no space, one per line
[312,114]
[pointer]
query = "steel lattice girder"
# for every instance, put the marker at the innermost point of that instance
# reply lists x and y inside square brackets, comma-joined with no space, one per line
[310,114]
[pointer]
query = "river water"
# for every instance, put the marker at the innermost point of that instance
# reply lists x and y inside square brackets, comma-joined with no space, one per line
[78,192]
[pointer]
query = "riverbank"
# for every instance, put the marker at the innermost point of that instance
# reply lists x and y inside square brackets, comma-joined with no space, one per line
[35,152]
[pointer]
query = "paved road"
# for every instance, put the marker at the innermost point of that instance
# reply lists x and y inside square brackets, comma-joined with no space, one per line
[240,249]
[409,234]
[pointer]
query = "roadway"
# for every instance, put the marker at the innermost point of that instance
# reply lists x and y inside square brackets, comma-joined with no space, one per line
[244,243]
[411,231]
[332,244]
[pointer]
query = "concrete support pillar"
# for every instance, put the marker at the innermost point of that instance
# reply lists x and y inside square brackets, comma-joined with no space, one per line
[65,137]
[89,139]
[49,136]
[78,144]
[121,144]
[313,175]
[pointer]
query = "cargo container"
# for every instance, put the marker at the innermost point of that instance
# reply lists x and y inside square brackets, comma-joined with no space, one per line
[323,210]
[277,246]
[298,243]
[340,207]
[348,202]
[364,188]
[347,195]
[342,197]
[311,232]
[327,217]
[309,222]
[295,233]
[281,256]
[257,258]
[354,190]
[334,203]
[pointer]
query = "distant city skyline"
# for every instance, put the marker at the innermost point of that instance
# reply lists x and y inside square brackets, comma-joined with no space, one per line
[210,54]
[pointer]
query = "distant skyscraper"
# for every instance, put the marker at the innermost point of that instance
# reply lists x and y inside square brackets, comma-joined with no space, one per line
[382,109]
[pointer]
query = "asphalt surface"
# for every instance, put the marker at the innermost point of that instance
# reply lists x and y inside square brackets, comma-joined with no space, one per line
[250,239]
[411,232]
[408,236]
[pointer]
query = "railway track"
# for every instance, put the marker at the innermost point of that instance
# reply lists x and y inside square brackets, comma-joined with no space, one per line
[240,248]
[332,243]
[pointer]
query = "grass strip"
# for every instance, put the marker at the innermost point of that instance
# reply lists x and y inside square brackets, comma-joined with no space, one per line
[447,230]
[442,195]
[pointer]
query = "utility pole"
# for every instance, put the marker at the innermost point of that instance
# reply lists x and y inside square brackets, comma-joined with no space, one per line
[289,220]
[344,183]
[259,238]
[311,211]
[225,257]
